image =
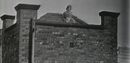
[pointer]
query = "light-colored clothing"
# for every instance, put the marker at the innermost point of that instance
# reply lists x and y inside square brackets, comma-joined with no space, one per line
[69,17]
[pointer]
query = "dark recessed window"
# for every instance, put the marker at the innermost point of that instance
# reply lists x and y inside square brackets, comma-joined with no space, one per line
[72,44]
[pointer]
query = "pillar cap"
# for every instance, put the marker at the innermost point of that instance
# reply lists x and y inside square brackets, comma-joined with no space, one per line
[106,13]
[7,17]
[27,6]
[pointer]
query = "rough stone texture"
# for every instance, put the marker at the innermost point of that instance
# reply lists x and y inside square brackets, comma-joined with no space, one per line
[25,12]
[10,45]
[56,44]
[56,41]
[7,20]
[77,45]
[9,40]
[16,37]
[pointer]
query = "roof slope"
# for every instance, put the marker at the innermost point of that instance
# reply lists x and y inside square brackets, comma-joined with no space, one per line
[57,18]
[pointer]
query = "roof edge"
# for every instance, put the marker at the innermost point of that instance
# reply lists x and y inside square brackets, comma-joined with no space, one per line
[7,17]
[27,6]
[107,13]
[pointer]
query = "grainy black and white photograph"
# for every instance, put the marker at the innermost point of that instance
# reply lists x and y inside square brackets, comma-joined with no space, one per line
[64,31]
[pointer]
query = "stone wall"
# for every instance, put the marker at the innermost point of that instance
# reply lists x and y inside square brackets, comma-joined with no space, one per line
[10,45]
[59,43]
[25,12]
[74,45]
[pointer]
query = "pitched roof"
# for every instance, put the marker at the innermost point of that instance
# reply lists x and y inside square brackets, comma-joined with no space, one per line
[57,18]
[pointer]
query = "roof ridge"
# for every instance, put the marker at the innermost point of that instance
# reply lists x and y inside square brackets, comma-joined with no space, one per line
[58,17]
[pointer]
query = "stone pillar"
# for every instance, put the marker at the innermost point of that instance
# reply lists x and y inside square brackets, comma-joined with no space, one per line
[109,21]
[25,13]
[7,20]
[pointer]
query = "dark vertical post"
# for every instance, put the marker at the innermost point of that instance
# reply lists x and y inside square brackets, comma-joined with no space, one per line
[30,41]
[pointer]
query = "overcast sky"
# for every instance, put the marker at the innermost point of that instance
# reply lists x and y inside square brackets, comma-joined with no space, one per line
[87,10]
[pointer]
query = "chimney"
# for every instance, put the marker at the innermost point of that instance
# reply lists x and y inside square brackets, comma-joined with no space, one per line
[8,20]
[109,19]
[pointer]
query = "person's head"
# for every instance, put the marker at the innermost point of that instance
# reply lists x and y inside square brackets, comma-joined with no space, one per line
[68,8]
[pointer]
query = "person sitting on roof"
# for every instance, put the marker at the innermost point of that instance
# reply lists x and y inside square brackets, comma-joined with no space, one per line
[68,15]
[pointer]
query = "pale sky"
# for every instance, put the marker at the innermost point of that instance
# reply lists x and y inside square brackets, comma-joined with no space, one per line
[87,10]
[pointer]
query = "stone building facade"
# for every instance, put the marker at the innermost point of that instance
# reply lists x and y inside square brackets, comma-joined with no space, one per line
[9,40]
[50,39]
